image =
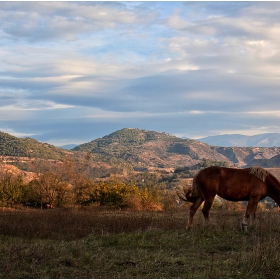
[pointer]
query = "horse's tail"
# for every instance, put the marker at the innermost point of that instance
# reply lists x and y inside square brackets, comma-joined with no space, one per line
[189,194]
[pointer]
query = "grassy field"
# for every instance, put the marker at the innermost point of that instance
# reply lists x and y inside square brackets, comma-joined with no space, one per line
[89,243]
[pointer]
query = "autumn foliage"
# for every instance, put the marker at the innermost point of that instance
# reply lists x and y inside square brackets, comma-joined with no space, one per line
[67,185]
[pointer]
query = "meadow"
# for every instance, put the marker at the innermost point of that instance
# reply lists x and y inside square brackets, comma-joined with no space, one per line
[99,242]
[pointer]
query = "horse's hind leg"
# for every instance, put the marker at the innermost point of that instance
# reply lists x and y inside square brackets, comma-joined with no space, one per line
[193,209]
[206,208]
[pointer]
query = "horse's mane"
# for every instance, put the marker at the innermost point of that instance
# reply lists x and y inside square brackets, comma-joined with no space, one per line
[258,172]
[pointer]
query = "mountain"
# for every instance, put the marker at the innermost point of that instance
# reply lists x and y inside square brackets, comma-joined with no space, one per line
[129,149]
[28,147]
[136,148]
[267,163]
[238,140]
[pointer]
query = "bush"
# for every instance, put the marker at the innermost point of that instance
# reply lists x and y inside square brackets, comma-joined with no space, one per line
[109,192]
[124,194]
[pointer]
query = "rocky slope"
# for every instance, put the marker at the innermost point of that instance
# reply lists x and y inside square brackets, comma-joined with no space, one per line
[14,171]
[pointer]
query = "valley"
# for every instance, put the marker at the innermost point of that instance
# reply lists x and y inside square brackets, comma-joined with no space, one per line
[133,151]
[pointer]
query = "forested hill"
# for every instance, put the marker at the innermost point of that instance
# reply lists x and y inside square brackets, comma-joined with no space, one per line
[129,137]
[28,147]
[143,148]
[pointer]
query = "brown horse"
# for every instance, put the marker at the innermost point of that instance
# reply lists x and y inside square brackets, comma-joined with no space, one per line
[251,184]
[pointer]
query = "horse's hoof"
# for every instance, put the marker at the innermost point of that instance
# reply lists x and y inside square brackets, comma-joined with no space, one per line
[244,227]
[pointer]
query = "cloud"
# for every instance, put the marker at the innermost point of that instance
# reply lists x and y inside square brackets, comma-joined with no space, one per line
[37,21]
[190,68]
[239,42]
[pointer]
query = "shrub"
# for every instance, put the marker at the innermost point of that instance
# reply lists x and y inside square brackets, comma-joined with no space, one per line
[124,194]
[109,192]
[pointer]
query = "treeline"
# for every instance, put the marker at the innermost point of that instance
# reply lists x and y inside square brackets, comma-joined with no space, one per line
[66,185]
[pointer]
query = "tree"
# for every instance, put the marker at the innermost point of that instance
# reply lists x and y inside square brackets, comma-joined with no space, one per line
[11,188]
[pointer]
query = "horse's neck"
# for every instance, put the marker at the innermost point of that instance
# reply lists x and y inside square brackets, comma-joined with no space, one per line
[274,188]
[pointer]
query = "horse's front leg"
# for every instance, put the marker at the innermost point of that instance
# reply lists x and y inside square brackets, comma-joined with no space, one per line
[250,213]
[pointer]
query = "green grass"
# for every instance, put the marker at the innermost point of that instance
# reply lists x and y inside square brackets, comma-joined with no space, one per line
[110,244]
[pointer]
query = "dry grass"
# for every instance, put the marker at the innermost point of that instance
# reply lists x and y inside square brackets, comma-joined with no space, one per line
[59,224]
[90,243]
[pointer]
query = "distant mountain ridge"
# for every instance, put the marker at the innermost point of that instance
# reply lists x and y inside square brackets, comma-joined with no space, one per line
[68,146]
[238,140]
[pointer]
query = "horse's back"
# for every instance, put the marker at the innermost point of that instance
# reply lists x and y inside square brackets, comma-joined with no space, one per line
[210,173]
[218,174]
[229,183]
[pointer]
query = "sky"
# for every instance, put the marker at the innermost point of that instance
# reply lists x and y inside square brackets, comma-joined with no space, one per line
[71,72]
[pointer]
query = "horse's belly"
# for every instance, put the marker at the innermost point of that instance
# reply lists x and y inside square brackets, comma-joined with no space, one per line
[235,198]
[233,195]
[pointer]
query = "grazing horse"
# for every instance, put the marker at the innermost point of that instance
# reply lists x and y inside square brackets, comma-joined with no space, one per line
[249,184]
